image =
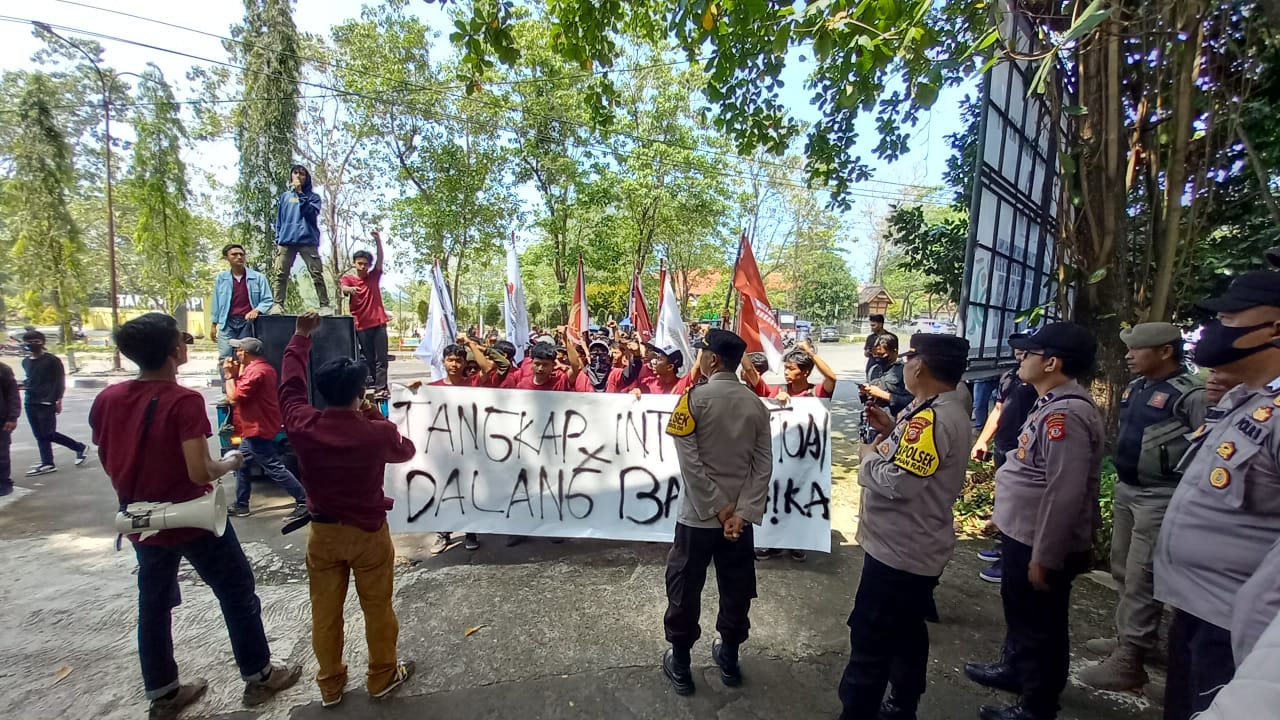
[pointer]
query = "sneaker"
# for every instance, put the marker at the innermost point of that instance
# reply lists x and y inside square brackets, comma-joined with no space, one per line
[299,512]
[238,511]
[991,554]
[799,555]
[276,309]
[282,677]
[169,708]
[471,542]
[439,543]
[404,671]
[324,311]
[766,553]
[991,574]
[41,470]
[83,455]
[1122,671]
[328,701]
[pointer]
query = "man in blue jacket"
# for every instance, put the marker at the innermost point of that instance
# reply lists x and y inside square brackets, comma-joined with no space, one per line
[240,295]
[298,233]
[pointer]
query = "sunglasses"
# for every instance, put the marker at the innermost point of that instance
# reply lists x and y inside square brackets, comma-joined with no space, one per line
[187,339]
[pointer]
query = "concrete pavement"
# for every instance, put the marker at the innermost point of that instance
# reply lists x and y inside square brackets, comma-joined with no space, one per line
[566,631]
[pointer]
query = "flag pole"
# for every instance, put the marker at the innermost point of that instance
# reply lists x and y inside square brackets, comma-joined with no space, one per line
[728,298]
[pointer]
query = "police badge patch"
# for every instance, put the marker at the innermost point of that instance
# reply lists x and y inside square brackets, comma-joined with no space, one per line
[1263,413]
[1226,450]
[1158,400]
[1219,478]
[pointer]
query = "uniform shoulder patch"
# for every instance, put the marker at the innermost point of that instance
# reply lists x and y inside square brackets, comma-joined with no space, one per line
[1158,400]
[917,451]
[1055,425]
[682,423]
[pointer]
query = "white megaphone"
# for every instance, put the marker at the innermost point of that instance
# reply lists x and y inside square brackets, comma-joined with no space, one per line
[208,512]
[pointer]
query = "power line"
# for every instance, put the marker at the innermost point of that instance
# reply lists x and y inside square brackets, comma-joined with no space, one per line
[444,89]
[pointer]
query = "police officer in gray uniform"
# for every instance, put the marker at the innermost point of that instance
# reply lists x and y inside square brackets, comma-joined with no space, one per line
[910,478]
[722,439]
[1218,557]
[1157,413]
[1047,511]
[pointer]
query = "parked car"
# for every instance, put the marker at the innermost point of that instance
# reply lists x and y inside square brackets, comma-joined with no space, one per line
[829,334]
[932,325]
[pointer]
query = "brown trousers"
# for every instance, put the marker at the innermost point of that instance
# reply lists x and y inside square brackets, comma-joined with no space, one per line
[334,552]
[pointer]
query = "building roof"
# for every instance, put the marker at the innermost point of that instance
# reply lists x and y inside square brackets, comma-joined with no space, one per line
[871,292]
[702,282]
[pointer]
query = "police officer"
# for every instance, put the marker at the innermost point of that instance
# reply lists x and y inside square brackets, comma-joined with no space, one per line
[1157,412]
[722,439]
[910,478]
[1218,557]
[1047,510]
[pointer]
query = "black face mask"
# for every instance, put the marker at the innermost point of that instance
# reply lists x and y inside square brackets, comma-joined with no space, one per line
[1217,344]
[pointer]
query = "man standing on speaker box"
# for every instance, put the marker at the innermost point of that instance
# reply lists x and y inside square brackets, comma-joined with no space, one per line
[149,431]
[343,451]
[365,290]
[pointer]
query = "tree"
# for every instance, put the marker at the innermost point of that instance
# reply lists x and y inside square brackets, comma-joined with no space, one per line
[933,241]
[267,46]
[828,293]
[163,234]
[47,242]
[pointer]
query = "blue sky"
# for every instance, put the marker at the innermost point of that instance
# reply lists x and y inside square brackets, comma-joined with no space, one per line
[923,165]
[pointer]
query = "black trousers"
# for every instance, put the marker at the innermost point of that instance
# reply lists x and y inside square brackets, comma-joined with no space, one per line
[1200,663]
[44,425]
[373,346]
[1037,644]
[5,468]
[693,550]
[888,640]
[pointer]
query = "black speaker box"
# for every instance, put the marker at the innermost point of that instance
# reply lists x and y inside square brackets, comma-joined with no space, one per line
[335,338]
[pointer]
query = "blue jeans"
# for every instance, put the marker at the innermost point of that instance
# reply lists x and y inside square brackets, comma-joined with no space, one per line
[263,452]
[221,563]
[983,390]
[234,328]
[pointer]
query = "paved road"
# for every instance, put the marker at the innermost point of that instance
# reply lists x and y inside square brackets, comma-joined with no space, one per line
[568,631]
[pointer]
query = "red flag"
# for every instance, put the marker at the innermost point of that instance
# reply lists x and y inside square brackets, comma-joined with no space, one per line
[638,310]
[746,275]
[578,323]
[760,330]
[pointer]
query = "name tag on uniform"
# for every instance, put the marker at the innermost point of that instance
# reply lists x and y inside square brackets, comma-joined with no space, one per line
[917,452]
[681,423]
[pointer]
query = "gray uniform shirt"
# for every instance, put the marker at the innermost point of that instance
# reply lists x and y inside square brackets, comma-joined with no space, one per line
[1217,557]
[721,433]
[909,484]
[1047,489]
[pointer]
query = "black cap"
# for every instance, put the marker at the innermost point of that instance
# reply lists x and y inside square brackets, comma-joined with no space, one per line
[726,344]
[1259,287]
[947,348]
[1059,339]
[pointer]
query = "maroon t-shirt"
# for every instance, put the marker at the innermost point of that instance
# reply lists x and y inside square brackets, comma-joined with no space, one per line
[257,402]
[240,304]
[366,306]
[147,465]
[559,381]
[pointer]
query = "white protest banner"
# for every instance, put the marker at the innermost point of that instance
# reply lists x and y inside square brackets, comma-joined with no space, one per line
[560,464]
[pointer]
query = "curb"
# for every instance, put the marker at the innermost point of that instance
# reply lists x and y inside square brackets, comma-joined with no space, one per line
[98,383]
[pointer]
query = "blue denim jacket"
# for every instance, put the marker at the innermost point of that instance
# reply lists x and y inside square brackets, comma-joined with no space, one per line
[259,294]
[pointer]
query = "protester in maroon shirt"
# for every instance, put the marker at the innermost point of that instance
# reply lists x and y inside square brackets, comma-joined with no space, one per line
[543,374]
[660,378]
[365,290]
[343,452]
[754,366]
[251,388]
[152,437]
[797,366]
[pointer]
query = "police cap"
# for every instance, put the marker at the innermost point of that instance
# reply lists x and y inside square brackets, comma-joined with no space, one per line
[1250,290]
[726,344]
[1059,339]
[948,350]
[1150,335]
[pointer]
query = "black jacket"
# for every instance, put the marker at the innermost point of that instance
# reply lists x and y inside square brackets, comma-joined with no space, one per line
[46,379]
[10,399]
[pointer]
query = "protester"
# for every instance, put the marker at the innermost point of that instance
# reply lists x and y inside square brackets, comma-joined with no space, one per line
[877,332]
[1158,410]
[661,376]
[152,435]
[251,387]
[240,295]
[753,370]
[797,365]
[725,450]
[1047,510]
[11,405]
[1218,558]
[884,377]
[364,289]
[910,479]
[46,381]
[543,373]
[297,232]
[595,376]
[343,452]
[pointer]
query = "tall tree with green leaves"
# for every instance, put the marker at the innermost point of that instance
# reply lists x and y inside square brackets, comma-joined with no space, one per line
[47,241]
[267,47]
[157,188]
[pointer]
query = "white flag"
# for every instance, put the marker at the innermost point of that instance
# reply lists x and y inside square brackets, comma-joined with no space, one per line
[671,327]
[515,313]
[442,326]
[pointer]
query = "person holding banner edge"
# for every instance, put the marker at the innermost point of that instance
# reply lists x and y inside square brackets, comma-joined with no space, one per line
[725,450]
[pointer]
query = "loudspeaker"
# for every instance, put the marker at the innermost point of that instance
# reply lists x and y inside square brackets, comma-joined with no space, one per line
[335,338]
[208,512]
